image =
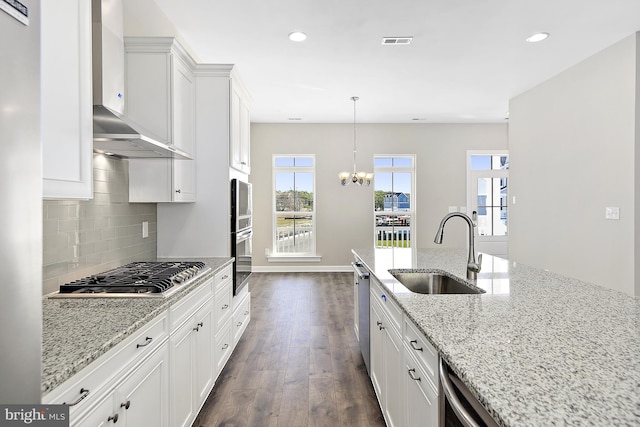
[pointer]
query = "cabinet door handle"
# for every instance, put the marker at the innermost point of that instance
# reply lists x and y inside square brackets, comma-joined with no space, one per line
[147,342]
[380,326]
[178,191]
[198,326]
[384,297]
[83,393]
[226,346]
[224,307]
[246,313]
[239,324]
[414,345]
[226,276]
[412,374]
[126,404]
[113,418]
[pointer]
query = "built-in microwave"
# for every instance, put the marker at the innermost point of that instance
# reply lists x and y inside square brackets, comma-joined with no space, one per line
[241,233]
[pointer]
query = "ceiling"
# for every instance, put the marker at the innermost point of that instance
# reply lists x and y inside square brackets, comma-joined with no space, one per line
[466,60]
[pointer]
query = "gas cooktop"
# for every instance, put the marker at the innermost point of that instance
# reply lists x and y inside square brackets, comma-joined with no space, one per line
[151,279]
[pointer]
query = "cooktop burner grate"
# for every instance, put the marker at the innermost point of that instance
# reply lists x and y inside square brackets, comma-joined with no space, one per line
[136,278]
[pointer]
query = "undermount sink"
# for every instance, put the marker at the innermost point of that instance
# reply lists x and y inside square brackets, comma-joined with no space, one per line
[429,282]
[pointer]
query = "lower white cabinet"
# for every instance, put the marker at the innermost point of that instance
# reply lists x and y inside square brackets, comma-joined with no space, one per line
[387,373]
[162,374]
[404,365]
[191,365]
[140,400]
[420,394]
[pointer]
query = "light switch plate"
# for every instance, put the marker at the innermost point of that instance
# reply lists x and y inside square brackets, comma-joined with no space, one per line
[612,213]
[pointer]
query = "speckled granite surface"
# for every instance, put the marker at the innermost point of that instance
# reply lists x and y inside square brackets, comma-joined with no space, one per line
[537,348]
[77,331]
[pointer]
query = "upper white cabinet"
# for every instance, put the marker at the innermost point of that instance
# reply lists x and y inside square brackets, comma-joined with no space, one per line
[66,100]
[160,90]
[240,127]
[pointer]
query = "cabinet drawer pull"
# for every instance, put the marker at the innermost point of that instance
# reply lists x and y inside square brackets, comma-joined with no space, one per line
[380,326]
[113,418]
[414,345]
[198,326]
[83,393]
[246,313]
[147,342]
[224,307]
[239,324]
[126,404]
[226,346]
[178,191]
[412,374]
[226,276]
[384,297]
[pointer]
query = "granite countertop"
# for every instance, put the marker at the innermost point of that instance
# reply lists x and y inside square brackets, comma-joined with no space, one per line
[77,331]
[537,348]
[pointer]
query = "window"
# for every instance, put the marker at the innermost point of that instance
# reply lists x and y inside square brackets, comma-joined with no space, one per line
[294,205]
[488,175]
[394,202]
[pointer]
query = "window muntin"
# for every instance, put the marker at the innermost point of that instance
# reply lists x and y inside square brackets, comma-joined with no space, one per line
[294,205]
[393,204]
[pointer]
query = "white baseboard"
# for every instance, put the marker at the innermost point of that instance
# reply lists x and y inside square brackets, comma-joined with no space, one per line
[301,268]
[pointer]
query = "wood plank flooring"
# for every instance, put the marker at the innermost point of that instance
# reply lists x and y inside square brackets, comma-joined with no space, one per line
[298,363]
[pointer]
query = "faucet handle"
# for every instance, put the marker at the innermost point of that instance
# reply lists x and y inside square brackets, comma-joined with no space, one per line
[475,266]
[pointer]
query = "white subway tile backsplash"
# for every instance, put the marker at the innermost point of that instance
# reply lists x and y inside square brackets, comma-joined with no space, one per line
[81,238]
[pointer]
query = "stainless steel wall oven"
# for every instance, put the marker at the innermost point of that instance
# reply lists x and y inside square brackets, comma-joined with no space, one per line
[241,233]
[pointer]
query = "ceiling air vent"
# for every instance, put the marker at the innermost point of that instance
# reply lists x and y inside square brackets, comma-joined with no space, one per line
[396,40]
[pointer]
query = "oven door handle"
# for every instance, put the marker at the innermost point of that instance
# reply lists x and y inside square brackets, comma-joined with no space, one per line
[463,415]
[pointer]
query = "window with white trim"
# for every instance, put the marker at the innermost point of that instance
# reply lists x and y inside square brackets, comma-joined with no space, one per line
[294,205]
[394,204]
[488,176]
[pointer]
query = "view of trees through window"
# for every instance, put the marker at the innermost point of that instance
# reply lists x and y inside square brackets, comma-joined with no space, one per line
[294,205]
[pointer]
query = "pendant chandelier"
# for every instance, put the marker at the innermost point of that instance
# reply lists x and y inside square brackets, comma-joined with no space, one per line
[360,178]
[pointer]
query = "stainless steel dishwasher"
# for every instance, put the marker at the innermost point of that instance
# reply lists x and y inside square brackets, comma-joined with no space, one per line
[458,407]
[361,276]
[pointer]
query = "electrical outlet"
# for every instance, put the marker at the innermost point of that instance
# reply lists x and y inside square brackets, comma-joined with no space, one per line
[612,213]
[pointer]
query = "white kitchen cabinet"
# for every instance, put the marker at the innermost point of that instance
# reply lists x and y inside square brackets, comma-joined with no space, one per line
[241,314]
[240,128]
[192,354]
[421,404]
[142,399]
[96,392]
[66,100]
[387,355]
[160,88]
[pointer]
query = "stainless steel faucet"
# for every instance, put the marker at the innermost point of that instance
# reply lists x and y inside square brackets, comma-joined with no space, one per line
[473,266]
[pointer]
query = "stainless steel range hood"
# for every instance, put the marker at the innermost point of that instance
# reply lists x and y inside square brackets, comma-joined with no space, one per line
[113,132]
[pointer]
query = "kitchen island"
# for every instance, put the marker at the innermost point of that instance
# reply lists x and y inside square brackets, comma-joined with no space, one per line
[537,348]
[77,331]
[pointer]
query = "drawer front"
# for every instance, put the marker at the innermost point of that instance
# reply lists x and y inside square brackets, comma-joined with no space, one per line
[223,304]
[224,346]
[391,309]
[422,350]
[222,276]
[86,387]
[241,317]
[185,308]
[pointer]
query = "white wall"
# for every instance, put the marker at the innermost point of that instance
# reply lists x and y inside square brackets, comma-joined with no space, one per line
[572,149]
[345,214]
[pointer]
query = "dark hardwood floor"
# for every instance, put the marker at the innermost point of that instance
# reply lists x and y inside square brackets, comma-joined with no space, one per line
[298,363]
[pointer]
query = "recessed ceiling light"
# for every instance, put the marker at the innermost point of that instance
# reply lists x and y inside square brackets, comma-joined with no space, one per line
[295,118]
[297,36]
[538,37]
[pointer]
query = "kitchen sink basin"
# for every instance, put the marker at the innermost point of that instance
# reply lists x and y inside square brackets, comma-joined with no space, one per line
[429,282]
